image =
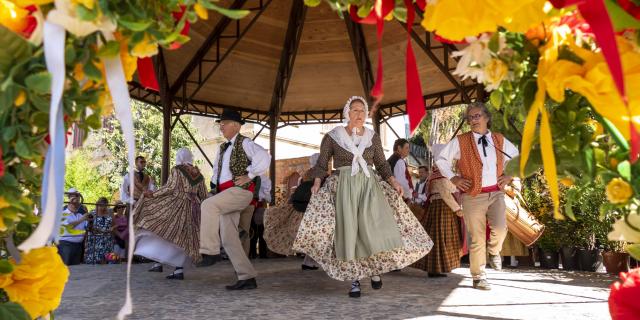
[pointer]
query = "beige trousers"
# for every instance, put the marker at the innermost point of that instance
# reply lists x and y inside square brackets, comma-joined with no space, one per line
[245,225]
[477,210]
[220,218]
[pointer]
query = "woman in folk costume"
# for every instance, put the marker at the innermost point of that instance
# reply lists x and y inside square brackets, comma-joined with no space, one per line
[442,223]
[281,223]
[168,220]
[357,225]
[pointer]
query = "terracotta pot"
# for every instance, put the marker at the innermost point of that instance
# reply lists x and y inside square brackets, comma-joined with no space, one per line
[616,262]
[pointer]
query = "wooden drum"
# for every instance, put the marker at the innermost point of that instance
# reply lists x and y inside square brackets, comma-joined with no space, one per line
[522,224]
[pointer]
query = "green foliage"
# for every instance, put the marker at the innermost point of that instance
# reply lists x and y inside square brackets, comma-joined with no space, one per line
[148,134]
[13,311]
[82,174]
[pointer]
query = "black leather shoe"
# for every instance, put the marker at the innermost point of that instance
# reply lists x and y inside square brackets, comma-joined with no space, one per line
[355,290]
[156,269]
[244,285]
[208,260]
[436,275]
[176,276]
[306,267]
[376,285]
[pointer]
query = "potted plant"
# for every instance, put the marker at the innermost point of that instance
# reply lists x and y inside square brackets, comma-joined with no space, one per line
[615,258]
[549,249]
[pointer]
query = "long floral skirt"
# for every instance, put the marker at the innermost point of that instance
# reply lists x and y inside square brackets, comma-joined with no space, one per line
[281,225]
[442,223]
[317,233]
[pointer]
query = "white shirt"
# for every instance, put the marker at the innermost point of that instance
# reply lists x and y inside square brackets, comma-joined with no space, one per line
[399,171]
[124,189]
[69,217]
[451,152]
[422,193]
[265,189]
[260,161]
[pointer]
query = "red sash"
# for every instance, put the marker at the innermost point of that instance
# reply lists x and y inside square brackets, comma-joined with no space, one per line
[228,184]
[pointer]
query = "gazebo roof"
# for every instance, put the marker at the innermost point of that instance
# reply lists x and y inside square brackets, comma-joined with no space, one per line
[298,64]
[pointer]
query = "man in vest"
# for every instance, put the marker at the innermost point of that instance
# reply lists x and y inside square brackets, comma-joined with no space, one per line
[143,183]
[420,193]
[399,167]
[481,157]
[240,163]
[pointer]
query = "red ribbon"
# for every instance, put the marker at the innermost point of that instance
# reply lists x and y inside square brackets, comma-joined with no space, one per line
[596,15]
[147,75]
[177,15]
[146,71]
[375,17]
[415,101]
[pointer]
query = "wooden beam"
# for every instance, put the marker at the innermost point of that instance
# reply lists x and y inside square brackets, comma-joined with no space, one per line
[445,71]
[166,99]
[213,37]
[283,78]
[361,54]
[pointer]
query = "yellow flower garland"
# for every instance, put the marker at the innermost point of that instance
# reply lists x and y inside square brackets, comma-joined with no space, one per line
[37,282]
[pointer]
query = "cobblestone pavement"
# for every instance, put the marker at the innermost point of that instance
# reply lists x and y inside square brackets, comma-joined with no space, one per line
[286,292]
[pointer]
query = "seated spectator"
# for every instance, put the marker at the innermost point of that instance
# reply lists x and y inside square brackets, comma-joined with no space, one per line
[120,229]
[99,238]
[73,227]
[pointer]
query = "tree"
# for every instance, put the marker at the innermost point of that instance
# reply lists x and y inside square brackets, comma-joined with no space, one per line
[82,174]
[147,122]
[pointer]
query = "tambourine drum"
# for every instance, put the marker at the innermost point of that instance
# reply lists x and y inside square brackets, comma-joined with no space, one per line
[522,224]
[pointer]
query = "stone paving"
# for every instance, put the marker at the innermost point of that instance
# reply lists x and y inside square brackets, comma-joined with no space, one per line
[286,292]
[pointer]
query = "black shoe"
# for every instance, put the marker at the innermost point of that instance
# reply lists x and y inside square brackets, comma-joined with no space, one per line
[495,262]
[208,260]
[481,284]
[244,285]
[156,269]
[306,267]
[376,285]
[176,276]
[436,275]
[355,290]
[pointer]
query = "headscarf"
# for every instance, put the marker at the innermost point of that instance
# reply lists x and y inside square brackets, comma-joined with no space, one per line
[313,159]
[340,136]
[347,108]
[184,156]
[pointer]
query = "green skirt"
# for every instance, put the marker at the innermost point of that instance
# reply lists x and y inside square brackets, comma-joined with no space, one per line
[365,224]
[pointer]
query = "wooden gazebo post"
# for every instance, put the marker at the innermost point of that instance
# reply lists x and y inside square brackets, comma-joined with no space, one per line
[283,78]
[166,99]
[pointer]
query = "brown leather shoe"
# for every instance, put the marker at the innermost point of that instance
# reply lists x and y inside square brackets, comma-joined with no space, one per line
[481,284]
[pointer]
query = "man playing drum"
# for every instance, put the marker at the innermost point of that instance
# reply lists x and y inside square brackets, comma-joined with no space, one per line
[481,157]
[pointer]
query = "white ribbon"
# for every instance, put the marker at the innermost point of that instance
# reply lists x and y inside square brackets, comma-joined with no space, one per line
[120,96]
[340,136]
[53,177]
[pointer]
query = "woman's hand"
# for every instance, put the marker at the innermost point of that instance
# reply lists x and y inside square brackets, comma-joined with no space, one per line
[316,185]
[395,185]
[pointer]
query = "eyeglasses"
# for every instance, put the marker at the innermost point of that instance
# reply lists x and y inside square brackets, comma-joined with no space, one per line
[475,116]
